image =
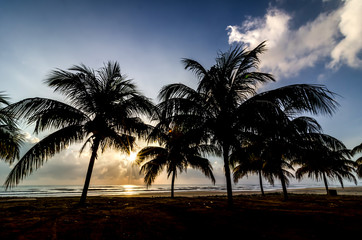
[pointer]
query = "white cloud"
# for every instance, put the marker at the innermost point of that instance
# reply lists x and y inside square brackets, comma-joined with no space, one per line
[30,139]
[331,36]
[347,50]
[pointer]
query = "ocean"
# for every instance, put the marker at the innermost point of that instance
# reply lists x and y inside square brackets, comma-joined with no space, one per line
[113,190]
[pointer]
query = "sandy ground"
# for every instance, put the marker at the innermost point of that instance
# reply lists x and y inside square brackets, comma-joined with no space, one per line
[308,214]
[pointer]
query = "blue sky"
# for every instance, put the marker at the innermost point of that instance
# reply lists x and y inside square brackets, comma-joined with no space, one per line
[309,41]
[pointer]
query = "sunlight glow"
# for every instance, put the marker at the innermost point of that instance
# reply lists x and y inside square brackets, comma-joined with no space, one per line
[132,156]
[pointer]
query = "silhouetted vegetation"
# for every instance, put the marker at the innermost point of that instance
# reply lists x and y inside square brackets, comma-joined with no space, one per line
[254,132]
[102,112]
[179,149]
[11,138]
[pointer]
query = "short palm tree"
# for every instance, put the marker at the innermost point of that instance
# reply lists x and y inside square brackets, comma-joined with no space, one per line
[356,150]
[178,150]
[227,96]
[10,136]
[249,159]
[325,157]
[251,164]
[104,112]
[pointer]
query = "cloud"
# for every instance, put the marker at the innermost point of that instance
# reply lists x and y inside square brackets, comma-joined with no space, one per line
[30,139]
[350,25]
[332,36]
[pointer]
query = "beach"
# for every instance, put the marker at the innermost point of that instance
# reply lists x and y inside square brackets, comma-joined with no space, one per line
[308,214]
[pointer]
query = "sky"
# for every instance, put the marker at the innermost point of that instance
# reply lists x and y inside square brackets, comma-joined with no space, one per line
[308,41]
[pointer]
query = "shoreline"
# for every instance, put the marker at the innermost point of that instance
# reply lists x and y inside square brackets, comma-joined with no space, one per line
[348,191]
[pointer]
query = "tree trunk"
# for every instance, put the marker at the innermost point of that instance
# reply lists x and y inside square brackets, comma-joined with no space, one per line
[325,183]
[90,169]
[284,186]
[173,183]
[261,184]
[227,175]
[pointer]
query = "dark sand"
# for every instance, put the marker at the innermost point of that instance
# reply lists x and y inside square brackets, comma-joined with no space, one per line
[303,216]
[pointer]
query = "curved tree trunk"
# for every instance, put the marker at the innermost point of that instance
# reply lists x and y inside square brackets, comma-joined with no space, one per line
[261,183]
[325,183]
[89,171]
[284,186]
[227,176]
[173,184]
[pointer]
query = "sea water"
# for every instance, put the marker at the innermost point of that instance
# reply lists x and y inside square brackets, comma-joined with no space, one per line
[113,190]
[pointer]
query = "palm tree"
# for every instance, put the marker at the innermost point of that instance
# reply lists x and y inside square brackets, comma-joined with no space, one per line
[265,149]
[226,98]
[104,112]
[251,164]
[179,149]
[10,136]
[356,150]
[249,159]
[220,92]
[325,157]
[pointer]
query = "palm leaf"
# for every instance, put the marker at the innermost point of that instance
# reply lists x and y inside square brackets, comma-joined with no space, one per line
[195,67]
[357,149]
[43,151]
[302,98]
[10,142]
[47,113]
[203,165]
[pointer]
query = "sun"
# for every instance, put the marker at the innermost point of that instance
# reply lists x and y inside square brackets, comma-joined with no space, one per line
[132,156]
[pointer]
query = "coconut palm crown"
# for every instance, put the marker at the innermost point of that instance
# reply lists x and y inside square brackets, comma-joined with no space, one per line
[103,111]
[179,149]
[327,157]
[10,137]
[355,151]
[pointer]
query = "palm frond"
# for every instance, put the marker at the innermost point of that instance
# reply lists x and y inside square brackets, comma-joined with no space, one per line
[4,99]
[305,124]
[153,168]
[357,149]
[77,87]
[148,153]
[302,98]
[195,67]
[43,151]
[203,165]
[11,141]
[176,90]
[47,113]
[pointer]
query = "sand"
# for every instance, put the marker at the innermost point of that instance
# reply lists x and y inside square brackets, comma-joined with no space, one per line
[308,214]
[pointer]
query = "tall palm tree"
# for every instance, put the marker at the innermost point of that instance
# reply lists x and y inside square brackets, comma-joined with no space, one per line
[178,150]
[227,95]
[356,150]
[220,92]
[10,136]
[104,112]
[326,157]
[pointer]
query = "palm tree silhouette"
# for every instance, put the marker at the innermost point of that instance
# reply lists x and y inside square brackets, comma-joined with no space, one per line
[178,150]
[251,164]
[356,150]
[326,157]
[220,92]
[226,98]
[10,136]
[104,111]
